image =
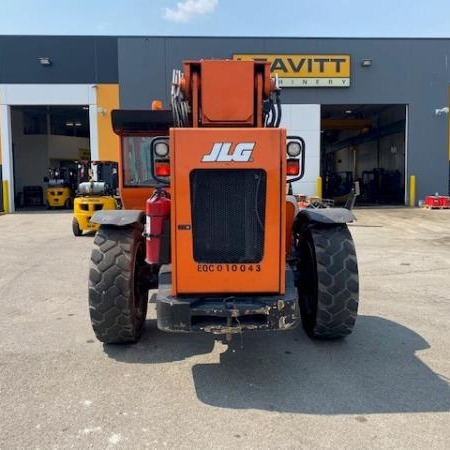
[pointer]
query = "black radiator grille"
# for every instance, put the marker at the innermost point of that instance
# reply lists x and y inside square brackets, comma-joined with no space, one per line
[228,214]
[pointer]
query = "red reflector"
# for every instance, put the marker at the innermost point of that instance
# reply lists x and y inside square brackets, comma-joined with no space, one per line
[162,169]
[292,167]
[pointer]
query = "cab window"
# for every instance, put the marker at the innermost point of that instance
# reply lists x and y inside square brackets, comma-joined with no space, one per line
[136,161]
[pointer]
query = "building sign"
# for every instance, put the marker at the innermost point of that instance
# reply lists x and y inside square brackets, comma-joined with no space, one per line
[306,70]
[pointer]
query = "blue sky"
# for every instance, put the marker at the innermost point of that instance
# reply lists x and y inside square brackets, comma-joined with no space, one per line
[296,18]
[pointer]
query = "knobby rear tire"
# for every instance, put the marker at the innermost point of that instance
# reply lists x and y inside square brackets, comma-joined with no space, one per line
[118,298]
[328,281]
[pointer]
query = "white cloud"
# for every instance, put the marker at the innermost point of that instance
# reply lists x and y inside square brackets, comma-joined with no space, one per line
[188,9]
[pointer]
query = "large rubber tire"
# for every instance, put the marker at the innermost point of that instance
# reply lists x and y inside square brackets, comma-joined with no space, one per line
[328,281]
[76,227]
[118,297]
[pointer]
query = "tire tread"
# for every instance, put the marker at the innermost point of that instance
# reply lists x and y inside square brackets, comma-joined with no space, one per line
[337,283]
[111,303]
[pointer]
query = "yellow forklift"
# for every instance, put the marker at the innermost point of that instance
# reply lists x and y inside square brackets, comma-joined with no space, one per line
[61,183]
[97,190]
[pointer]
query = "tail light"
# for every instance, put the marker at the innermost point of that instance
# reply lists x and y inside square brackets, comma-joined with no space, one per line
[162,168]
[295,166]
[160,159]
[292,167]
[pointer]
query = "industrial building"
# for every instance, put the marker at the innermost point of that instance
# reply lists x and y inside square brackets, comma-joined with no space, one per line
[373,110]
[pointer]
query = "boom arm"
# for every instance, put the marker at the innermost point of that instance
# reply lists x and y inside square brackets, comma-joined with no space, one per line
[225,94]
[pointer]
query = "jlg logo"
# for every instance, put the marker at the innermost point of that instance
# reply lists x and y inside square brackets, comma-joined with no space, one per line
[221,152]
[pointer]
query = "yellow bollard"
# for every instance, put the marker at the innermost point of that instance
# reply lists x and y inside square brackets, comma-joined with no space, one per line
[412,191]
[5,197]
[319,187]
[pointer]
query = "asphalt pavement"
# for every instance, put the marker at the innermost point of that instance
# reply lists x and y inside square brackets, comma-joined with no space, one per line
[385,386]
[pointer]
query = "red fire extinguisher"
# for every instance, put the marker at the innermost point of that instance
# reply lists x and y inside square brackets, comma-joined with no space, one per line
[157,228]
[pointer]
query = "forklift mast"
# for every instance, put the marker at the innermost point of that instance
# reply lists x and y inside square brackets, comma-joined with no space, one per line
[97,177]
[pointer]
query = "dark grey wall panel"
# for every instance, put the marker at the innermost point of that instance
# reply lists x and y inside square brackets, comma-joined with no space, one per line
[74,59]
[415,72]
[106,60]
[142,72]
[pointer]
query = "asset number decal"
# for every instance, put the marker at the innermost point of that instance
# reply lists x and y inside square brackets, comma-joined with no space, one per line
[229,268]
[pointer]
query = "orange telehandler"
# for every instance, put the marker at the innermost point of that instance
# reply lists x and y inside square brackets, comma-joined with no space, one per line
[224,245]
